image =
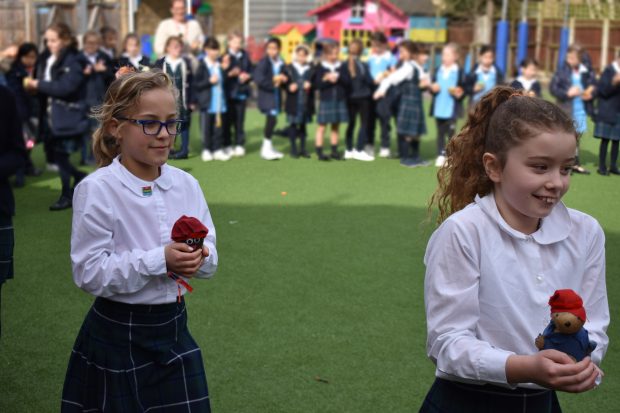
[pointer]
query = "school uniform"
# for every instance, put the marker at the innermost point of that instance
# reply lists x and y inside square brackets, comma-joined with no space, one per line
[134,352]
[488,78]
[237,95]
[332,96]
[12,158]
[446,108]
[527,85]
[486,293]
[269,96]
[211,99]
[381,109]
[96,85]
[607,126]
[63,84]
[410,121]
[137,62]
[44,133]
[180,71]
[299,105]
[563,79]
[360,88]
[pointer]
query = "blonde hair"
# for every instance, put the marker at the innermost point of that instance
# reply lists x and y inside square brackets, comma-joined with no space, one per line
[122,98]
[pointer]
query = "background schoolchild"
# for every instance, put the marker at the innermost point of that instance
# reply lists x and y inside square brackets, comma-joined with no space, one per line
[329,81]
[99,73]
[62,85]
[484,76]
[607,127]
[499,200]
[410,122]
[12,159]
[210,95]
[270,79]
[132,53]
[179,68]
[380,63]
[27,105]
[299,100]
[448,91]
[109,43]
[359,102]
[573,86]
[528,78]
[238,92]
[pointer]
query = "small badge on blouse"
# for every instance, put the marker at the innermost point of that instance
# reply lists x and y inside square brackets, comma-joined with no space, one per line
[147,191]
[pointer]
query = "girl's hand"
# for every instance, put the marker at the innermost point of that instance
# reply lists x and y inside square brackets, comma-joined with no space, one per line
[293,88]
[435,88]
[214,79]
[244,77]
[100,66]
[378,95]
[283,79]
[182,260]
[616,79]
[554,370]
[307,85]
[573,91]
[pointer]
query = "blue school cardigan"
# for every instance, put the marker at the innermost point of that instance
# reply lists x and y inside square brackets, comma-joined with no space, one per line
[68,111]
[562,81]
[269,97]
[608,96]
[235,89]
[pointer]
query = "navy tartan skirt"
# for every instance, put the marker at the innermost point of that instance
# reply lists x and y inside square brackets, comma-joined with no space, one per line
[410,119]
[7,241]
[446,396]
[135,358]
[607,131]
[332,111]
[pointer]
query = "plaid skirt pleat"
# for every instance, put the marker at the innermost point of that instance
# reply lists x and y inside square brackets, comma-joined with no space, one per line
[450,397]
[332,111]
[607,131]
[7,241]
[135,358]
[410,117]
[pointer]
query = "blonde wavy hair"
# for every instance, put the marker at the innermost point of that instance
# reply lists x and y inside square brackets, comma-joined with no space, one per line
[503,119]
[121,99]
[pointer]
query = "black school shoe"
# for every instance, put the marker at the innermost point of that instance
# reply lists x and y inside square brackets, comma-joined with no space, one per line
[614,171]
[62,203]
[603,172]
[336,156]
[304,154]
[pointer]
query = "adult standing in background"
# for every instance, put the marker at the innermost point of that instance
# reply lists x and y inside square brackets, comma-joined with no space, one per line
[178,25]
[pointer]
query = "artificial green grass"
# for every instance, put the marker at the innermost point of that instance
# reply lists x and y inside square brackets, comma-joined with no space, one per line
[318,302]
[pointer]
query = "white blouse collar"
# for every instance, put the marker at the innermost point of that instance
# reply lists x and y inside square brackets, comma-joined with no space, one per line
[139,186]
[332,67]
[301,69]
[554,228]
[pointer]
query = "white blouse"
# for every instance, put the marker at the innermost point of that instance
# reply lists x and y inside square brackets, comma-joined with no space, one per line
[121,225]
[405,72]
[487,287]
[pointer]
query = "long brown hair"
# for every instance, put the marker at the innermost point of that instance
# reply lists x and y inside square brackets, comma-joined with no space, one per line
[503,119]
[359,47]
[120,100]
[64,33]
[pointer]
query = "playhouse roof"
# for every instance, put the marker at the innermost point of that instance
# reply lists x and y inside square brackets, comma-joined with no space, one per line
[286,27]
[418,7]
[327,6]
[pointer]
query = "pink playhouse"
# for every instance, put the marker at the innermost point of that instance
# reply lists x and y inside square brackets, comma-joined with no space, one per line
[344,20]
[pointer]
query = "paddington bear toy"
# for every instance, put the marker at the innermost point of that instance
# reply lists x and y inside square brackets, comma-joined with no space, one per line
[192,232]
[565,332]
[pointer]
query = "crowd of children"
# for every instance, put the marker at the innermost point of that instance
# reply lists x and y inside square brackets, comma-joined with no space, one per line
[370,92]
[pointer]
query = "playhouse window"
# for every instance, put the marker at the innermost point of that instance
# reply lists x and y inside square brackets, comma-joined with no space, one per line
[357,12]
[357,9]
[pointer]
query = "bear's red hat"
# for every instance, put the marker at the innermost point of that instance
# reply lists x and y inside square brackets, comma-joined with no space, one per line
[567,301]
[188,227]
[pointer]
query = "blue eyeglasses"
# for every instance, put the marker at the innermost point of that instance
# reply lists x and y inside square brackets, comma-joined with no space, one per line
[153,127]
